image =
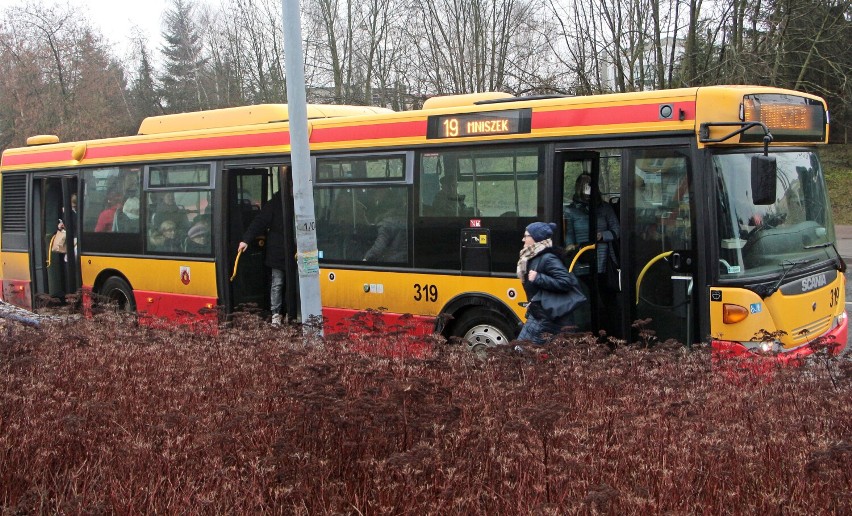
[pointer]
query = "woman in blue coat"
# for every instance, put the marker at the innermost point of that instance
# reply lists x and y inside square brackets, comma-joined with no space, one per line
[577,233]
[541,269]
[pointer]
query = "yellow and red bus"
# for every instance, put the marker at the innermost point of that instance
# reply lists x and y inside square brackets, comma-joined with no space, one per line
[725,225]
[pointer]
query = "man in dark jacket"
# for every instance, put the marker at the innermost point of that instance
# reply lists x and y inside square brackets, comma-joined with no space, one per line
[271,220]
[542,273]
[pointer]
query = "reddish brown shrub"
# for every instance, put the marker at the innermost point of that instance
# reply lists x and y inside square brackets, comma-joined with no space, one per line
[103,416]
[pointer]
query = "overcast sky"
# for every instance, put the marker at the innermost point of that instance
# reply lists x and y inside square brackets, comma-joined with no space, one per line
[116,19]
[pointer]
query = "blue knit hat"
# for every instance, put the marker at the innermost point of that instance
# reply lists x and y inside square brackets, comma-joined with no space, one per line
[541,230]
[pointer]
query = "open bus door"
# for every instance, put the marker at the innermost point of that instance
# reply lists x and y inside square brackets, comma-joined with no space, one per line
[586,176]
[660,245]
[249,189]
[54,274]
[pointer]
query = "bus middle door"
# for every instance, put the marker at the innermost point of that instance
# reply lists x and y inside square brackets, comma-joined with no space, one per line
[248,189]
[591,235]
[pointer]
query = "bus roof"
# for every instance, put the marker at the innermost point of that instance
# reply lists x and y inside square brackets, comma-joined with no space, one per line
[263,129]
[245,115]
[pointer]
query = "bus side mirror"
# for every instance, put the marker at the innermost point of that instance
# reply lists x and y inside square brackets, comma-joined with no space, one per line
[764,170]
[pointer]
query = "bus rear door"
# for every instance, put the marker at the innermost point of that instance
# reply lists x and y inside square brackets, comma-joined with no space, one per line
[55,274]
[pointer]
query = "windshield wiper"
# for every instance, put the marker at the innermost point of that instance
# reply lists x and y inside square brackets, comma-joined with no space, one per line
[791,267]
[818,246]
[841,265]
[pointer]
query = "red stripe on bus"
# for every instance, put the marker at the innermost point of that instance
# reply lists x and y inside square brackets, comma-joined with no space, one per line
[415,129]
[38,157]
[411,129]
[342,320]
[610,115]
[238,141]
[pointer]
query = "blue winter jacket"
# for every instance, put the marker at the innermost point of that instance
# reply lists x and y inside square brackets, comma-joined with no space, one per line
[577,228]
[552,276]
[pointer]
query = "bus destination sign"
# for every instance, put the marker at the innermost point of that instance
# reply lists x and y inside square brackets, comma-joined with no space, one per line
[489,123]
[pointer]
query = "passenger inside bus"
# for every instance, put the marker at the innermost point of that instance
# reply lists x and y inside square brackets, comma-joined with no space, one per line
[448,202]
[198,238]
[391,244]
[606,233]
[165,208]
[127,219]
[164,238]
[271,223]
[106,219]
[57,247]
[71,237]
[576,215]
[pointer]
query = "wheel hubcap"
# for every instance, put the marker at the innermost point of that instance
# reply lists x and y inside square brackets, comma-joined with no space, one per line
[485,334]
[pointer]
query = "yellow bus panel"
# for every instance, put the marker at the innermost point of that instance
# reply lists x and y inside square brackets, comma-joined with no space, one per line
[401,292]
[802,317]
[176,276]
[16,266]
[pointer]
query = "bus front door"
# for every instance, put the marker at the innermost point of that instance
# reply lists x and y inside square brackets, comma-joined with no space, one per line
[660,246]
[55,268]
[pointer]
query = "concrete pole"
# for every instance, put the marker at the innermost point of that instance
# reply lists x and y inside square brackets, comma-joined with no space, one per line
[303,192]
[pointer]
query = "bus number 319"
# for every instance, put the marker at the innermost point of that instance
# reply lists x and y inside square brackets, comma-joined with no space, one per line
[427,293]
[835,297]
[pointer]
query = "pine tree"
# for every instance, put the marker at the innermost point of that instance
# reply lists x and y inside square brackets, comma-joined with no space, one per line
[181,85]
[144,95]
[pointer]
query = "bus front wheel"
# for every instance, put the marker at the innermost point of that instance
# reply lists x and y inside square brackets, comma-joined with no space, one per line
[483,328]
[116,291]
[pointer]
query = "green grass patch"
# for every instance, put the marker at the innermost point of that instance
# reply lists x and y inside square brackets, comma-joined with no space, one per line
[837,163]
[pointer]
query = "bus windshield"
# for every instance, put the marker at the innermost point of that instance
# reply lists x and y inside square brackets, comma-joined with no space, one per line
[761,240]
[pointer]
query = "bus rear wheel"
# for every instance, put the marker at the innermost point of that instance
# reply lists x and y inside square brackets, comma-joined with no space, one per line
[483,328]
[117,292]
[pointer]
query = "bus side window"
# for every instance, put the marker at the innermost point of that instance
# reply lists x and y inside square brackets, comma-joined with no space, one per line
[389,204]
[198,207]
[341,224]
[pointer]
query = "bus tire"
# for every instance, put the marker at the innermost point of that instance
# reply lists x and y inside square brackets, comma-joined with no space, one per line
[118,292]
[483,327]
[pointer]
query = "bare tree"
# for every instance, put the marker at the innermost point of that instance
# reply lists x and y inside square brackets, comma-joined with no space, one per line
[470,46]
[144,91]
[245,43]
[58,77]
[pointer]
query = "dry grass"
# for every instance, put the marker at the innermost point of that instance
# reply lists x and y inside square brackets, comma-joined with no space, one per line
[100,416]
[837,162]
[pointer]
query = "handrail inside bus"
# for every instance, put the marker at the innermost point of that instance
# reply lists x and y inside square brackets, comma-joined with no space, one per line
[648,266]
[581,251]
[50,249]
[236,263]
